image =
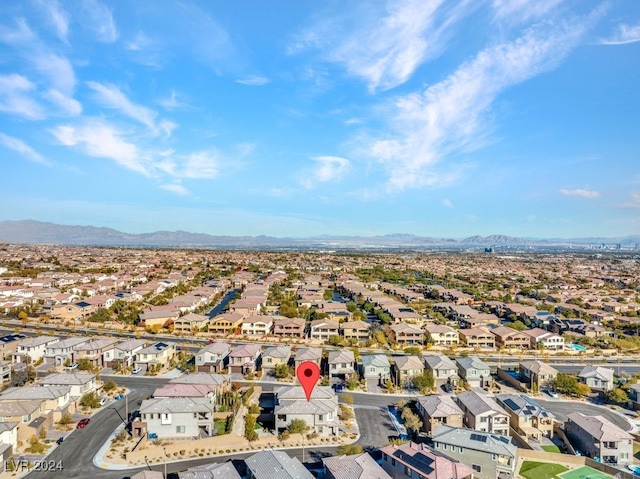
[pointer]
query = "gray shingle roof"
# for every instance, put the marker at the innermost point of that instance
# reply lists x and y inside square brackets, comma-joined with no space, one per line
[479,441]
[361,466]
[276,465]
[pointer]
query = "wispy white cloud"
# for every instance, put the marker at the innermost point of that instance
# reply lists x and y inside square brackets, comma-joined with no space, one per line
[447,202]
[57,70]
[19,35]
[580,193]
[112,97]
[100,139]
[19,146]
[326,169]
[139,42]
[253,80]
[384,48]
[15,97]
[66,104]
[199,165]
[450,117]
[56,16]
[172,101]
[517,11]
[633,201]
[99,19]
[176,188]
[623,34]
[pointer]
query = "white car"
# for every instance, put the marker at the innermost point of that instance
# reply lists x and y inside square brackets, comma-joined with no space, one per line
[72,366]
[103,401]
[136,370]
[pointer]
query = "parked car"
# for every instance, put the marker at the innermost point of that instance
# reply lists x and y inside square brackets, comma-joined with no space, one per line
[60,440]
[83,423]
[103,401]
[118,397]
[136,370]
[72,366]
[553,394]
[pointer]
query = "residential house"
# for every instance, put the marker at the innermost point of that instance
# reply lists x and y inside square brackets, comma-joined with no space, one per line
[213,358]
[33,348]
[93,351]
[405,368]
[634,396]
[226,323]
[376,366]
[474,372]
[436,410]
[598,438]
[483,413]
[220,382]
[341,363]
[323,329]
[490,456]
[444,370]
[308,354]
[257,325]
[122,354]
[527,417]
[334,310]
[509,338]
[155,356]
[273,356]
[79,382]
[405,334]
[542,339]
[320,412]
[244,359]
[9,345]
[190,323]
[477,338]
[181,390]
[5,371]
[272,464]
[538,376]
[597,378]
[359,466]
[56,400]
[23,413]
[8,442]
[420,461]
[61,352]
[248,306]
[355,330]
[158,318]
[185,417]
[212,470]
[289,328]
[442,335]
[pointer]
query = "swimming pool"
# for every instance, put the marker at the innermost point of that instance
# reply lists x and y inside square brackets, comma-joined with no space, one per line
[577,347]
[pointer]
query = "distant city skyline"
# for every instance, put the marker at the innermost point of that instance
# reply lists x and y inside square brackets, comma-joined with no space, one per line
[301,119]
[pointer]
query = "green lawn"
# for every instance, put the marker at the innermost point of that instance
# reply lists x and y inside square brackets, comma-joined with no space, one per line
[541,470]
[586,472]
[220,427]
[552,448]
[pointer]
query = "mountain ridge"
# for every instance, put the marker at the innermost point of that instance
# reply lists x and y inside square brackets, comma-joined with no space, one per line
[40,232]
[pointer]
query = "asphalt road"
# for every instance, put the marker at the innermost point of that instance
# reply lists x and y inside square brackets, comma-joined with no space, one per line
[563,408]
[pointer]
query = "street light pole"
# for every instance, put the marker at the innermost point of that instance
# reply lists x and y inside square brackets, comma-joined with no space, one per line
[164,450]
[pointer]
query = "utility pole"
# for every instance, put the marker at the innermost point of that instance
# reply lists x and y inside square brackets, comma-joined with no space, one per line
[164,449]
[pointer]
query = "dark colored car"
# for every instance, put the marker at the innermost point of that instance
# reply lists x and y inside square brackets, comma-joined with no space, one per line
[60,440]
[83,423]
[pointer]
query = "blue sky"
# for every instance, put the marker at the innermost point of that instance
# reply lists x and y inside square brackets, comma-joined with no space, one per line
[294,118]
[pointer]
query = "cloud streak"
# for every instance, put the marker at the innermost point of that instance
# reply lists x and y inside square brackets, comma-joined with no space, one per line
[326,169]
[623,35]
[580,193]
[19,146]
[449,118]
[15,97]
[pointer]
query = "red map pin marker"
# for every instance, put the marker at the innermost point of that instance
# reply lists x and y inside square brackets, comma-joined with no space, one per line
[308,374]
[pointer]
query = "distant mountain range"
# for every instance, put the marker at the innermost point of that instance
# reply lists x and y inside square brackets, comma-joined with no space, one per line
[37,232]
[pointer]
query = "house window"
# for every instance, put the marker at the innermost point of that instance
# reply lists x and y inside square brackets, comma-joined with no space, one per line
[483,418]
[320,417]
[407,471]
[393,462]
[180,429]
[384,457]
[476,467]
[445,447]
[269,360]
[494,457]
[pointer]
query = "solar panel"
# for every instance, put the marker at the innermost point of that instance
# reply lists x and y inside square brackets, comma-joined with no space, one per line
[478,437]
[418,461]
[510,403]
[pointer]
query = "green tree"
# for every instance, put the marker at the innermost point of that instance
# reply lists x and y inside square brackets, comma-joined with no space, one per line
[413,350]
[66,419]
[250,428]
[91,400]
[298,426]
[110,385]
[335,340]
[328,294]
[411,420]
[349,450]
[518,325]
[424,382]
[617,396]
[281,371]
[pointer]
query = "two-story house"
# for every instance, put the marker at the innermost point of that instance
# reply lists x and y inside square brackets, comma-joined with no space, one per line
[413,460]
[509,338]
[341,363]
[483,413]
[226,323]
[289,328]
[538,376]
[491,456]
[436,410]
[597,378]
[213,358]
[155,356]
[9,345]
[323,329]
[376,367]
[221,383]
[176,417]
[597,437]
[355,330]
[79,382]
[405,368]
[273,356]
[257,325]
[405,334]
[61,352]
[190,323]
[122,354]
[245,359]
[359,466]
[320,412]
[478,338]
[308,354]
[474,372]
[442,335]
[526,416]
[262,465]
[443,369]
[93,351]
[542,339]
[33,349]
